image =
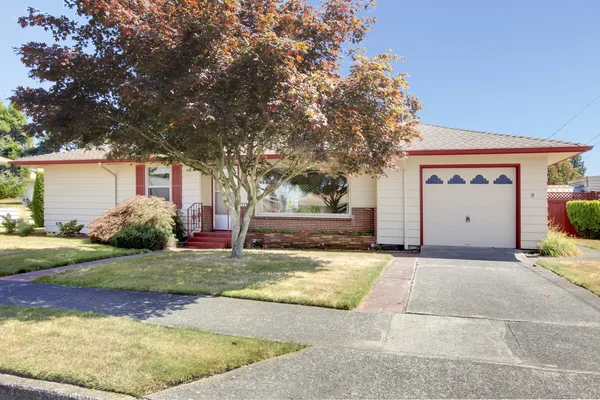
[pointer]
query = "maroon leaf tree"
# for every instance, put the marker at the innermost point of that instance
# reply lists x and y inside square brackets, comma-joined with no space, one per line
[218,86]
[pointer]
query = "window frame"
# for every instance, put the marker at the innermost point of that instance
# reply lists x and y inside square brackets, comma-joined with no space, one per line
[347,215]
[170,186]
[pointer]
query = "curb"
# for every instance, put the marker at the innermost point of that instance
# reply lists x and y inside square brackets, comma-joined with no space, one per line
[14,387]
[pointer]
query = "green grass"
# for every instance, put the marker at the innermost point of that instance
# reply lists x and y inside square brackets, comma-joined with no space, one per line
[591,243]
[317,278]
[119,354]
[24,254]
[585,273]
[558,244]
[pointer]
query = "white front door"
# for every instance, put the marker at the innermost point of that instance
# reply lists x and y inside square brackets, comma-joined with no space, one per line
[469,207]
[222,221]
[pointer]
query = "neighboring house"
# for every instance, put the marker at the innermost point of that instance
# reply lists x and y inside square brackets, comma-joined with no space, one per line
[5,161]
[560,189]
[586,184]
[455,188]
[27,195]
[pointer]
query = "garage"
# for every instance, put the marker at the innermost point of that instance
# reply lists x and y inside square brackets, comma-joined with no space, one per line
[469,205]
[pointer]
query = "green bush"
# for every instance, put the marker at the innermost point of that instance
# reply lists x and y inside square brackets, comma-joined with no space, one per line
[139,210]
[139,236]
[69,229]
[178,227]
[9,223]
[558,244]
[11,185]
[37,203]
[25,228]
[585,217]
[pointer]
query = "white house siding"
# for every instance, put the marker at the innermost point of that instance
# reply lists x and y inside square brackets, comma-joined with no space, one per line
[83,191]
[190,188]
[363,191]
[390,228]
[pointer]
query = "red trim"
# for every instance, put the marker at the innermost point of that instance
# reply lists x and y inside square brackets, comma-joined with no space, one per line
[60,162]
[140,180]
[517,168]
[176,184]
[531,150]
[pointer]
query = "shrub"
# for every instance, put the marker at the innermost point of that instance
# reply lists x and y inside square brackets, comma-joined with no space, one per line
[70,229]
[11,185]
[37,202]
[25,228]
[558,244]
[138,236]
[139,210]
[9,223]
[585,217]
[178,227]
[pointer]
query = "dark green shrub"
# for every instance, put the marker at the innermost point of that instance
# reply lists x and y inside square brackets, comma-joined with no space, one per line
[69,229]
[585,217]
[24,228]
[139,210]
[11,185]
[178,227]
[37,203]
[9,223]
[139,236]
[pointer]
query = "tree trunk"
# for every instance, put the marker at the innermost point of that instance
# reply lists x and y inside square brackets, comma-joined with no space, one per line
[239,229]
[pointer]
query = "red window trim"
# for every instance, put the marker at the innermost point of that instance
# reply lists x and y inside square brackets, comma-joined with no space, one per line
[176,185]
[140,180]
[517,168]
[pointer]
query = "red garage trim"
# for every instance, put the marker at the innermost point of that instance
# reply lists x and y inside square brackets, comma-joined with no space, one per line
[517,168]
[140,180]
[62,162]
[523,150]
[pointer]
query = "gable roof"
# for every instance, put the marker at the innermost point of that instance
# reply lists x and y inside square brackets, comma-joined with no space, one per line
[435,140]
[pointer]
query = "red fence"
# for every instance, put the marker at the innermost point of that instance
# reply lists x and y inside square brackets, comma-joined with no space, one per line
[557,208]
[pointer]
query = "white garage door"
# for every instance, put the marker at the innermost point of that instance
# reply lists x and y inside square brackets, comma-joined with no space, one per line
[469,207]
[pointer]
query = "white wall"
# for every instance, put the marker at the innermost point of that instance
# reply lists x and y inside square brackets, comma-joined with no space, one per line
[83,191]
[534,210]
[363,191]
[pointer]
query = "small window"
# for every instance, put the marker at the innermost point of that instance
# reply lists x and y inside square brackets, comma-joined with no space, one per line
[159,182]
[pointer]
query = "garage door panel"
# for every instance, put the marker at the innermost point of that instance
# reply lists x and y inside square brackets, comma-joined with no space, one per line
[469,207]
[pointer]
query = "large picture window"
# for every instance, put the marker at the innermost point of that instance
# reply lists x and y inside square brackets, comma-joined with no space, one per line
[159,182]
[311,193]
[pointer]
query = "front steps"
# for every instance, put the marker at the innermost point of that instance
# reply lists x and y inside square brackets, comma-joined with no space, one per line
[209,240]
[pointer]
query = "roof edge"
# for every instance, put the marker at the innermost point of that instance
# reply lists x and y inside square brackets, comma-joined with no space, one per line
[518,150]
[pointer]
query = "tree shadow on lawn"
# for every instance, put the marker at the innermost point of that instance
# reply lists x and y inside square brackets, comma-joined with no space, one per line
[109,302]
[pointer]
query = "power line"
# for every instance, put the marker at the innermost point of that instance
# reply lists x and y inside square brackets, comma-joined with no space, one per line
[591,140]
[576,115]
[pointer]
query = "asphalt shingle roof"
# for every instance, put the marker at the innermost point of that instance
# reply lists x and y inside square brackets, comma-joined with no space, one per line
[433,138]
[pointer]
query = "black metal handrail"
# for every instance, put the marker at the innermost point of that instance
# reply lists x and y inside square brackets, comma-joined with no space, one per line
[194,218]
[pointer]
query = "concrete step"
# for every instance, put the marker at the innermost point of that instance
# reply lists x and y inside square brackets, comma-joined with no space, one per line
[209,239]
[206,245]
[211,234]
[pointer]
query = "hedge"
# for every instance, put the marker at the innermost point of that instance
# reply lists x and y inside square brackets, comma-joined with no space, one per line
[585,217]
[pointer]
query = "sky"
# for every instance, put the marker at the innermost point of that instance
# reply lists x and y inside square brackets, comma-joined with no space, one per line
[514,67]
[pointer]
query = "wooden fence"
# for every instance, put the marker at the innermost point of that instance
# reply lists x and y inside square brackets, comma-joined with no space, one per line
[557,208]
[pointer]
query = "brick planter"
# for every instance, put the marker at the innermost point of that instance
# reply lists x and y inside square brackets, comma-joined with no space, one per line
[310,241]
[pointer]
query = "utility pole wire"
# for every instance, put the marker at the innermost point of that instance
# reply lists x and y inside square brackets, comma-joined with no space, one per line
[590,141]
[576,115]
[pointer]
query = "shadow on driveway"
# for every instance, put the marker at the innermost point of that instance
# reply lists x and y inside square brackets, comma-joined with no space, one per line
[470,253]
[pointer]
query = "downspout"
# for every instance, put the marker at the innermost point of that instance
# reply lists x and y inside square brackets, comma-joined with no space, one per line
[405,196]
[113,174]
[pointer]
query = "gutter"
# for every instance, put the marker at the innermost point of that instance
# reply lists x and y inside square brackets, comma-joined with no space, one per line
[113,174]
[404,201]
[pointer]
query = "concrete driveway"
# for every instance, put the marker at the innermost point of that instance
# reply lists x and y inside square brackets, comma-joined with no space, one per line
[496,284]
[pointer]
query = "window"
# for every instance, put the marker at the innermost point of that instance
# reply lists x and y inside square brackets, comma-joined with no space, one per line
[159,182]
[311,193]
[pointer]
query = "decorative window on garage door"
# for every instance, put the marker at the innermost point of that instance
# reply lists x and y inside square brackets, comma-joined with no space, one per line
[503,180]
[456,180]
[479,180]
[434,180]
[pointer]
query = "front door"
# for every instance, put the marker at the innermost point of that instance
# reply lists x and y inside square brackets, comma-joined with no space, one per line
[222,220]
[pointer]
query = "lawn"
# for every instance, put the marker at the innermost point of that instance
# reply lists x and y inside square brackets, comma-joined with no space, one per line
[591,243]
[317,278]
[118,354]
[585,273]
[23,254]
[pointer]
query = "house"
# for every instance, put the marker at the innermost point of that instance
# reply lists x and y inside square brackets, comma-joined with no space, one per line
[456,187]
[586,184]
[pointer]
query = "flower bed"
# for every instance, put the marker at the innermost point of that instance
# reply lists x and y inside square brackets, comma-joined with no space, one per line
[310,240]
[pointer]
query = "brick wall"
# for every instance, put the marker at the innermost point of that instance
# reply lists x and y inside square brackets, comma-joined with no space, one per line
[299,240]
[361,220]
